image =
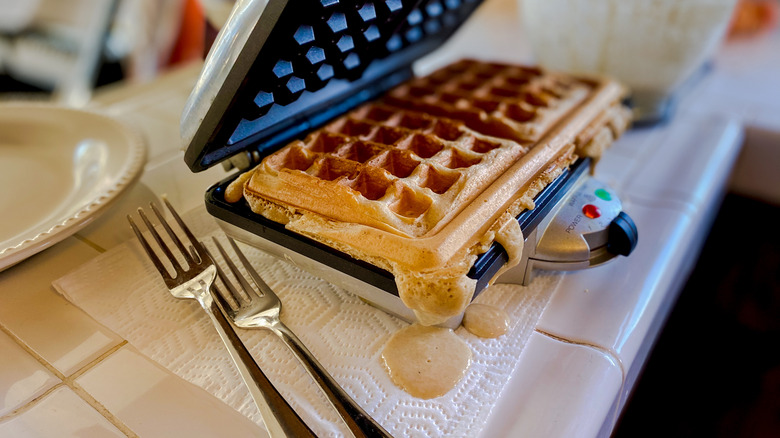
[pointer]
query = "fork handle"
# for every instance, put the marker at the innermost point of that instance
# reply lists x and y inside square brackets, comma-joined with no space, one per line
[358,421]
[279,417]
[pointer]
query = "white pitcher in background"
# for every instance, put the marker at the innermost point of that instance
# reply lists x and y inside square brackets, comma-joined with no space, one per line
[652,46]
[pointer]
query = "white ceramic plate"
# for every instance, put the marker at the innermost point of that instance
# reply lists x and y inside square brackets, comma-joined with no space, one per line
[59,169]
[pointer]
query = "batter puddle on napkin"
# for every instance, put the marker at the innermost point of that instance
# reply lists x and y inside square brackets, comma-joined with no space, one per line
[486,321]
[426,361]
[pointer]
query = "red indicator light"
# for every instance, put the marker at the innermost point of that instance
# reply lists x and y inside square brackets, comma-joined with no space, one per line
[591,211]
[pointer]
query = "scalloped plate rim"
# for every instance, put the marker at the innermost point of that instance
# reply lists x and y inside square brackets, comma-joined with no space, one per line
[52,231]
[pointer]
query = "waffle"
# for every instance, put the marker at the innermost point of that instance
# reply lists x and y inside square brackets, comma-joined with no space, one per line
[397,171]
[508,101]
[425,179]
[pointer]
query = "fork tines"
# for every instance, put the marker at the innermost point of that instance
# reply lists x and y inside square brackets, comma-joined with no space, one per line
[193,257]
[235,293]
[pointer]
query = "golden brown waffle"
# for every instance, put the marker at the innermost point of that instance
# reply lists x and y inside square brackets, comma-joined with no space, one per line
[420,187]
[393,170]
[506,101]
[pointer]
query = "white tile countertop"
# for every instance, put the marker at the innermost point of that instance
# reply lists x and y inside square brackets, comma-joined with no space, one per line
[64,374]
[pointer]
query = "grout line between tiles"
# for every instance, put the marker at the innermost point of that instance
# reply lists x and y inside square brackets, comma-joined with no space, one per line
[89,243]
[27,406]
[607,352]
[32,353]
[92,401]
[70,382]
[612,356]
[76,374]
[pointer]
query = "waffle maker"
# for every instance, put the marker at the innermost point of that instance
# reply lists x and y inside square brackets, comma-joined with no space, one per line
[282,68]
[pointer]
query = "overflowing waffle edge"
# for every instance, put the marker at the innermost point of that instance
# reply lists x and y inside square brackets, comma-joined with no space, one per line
[430,253]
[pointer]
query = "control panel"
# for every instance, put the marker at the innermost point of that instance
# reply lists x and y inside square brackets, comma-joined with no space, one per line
[585,229]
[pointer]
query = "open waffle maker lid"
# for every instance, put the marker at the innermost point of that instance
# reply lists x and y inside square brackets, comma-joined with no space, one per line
[282,67]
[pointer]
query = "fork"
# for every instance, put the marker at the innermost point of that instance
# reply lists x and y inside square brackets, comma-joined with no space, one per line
[195,281]
[254,310]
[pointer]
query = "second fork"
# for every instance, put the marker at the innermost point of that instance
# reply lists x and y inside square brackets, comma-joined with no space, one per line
[262,311]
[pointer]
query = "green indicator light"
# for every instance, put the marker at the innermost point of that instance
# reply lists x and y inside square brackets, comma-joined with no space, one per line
[603,194]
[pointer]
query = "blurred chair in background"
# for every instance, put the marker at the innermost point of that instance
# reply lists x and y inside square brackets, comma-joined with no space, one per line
[59,46]
[144,35]
[16,17]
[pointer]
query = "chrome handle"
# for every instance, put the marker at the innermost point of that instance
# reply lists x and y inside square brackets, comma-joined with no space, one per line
[279,417]
[358,421]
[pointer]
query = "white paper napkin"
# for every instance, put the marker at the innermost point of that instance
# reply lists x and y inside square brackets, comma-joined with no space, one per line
[123,291]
